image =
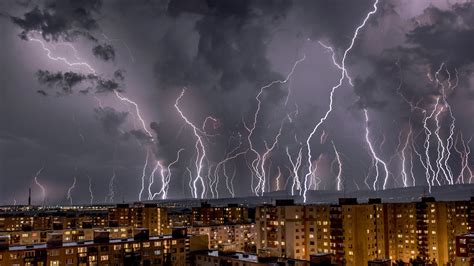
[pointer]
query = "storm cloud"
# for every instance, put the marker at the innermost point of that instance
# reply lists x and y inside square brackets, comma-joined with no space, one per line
[226,60]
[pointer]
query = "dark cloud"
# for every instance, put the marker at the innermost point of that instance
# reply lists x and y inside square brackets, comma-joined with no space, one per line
[399,74]
[64,20]
[231,47]
[446,36]
[107,85]
[105,52]
[42,92]
[119,74]
[67,81]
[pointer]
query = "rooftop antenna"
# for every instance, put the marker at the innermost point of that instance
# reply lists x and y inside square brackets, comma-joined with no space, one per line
[29,197]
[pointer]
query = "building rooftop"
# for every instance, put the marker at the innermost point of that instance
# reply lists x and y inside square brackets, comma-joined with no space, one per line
[84,243]
[237,255]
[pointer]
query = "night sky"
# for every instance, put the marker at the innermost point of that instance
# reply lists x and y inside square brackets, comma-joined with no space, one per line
[126,100]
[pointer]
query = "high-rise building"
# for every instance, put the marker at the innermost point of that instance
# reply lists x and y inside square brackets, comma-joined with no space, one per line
[235,237]
[140,215]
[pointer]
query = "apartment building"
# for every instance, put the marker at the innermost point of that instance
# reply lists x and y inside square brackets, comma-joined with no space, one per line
[355,233]
[69,235]
[142,249]
[282,231]
[52,219]
[140,216]
[207,215]
[235,237]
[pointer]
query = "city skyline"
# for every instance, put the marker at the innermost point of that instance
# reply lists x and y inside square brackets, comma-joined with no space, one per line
[111,101]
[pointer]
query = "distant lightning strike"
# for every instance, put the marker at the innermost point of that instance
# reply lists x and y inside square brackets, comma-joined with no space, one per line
[443,150]
[142,178]
[111,194]
[165,174]
[278,179]
[43,190]
[69,191]
[296,164]
[464,155]
[378,160]
[213,186]
[221,165]
[258,164]
[145,129]
[262,174]
[91,193]
[339,168]
[229,180]
[200,151]
[404,171]
[342,67]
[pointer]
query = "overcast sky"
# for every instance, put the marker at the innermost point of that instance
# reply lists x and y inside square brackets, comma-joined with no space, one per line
[72,71]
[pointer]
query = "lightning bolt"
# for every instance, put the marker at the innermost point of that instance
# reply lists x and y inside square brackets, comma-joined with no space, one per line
[333,90]
[43,190]
[137,112]
[200,150]
[165,174]
[90,190]
[147,132]
[404,172]
[111,186]
[339,168]
[143,176]
[258,164]
[50,55]
[296,164]
[229,156]
[277,179]
[69,191]
[377,159]
[190,181]
[464,154]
